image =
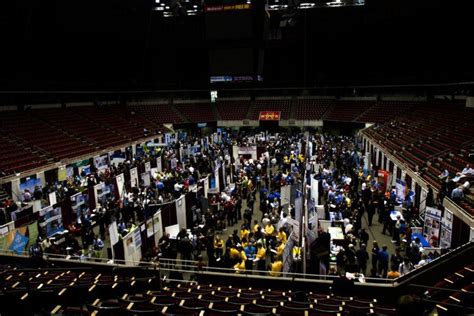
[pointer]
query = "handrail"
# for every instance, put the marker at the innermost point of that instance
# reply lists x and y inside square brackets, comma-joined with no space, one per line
[190,266]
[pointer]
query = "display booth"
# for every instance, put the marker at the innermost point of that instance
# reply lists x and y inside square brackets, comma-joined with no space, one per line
[446,230]
[132,252]
[432,226]
[384,179]
[50,221]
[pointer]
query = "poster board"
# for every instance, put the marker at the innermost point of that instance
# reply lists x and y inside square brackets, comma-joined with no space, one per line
[314,190]
[50,221]
[446,230]
[132,253]
[285,195]
[401,190]
[120,183]
[157,226]
[181,211]
[134,177]
[113,233]
[52,198]
[432,225]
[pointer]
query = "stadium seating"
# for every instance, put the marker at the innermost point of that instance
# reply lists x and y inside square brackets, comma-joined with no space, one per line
[233,110]
[348,111]
[196,112]
[159,113]
[454,293]
[312,109]
[385,110]
[430,139]
[38,134]
[16,158]
[77,291]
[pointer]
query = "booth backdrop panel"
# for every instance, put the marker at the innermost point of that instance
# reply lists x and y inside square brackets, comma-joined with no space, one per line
[181,211]
[168,215]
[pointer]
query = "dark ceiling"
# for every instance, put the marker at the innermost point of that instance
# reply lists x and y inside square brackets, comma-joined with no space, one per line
[123,44]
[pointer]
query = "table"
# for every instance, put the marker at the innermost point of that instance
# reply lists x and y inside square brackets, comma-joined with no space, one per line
[423,241]
[394,214]
[173,230]
[336,233]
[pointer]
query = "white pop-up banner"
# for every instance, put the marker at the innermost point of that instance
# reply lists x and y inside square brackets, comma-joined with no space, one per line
[181,211]
[120,183]
[134,177]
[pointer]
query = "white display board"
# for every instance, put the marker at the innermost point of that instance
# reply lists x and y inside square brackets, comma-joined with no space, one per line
[132,253]
[134,177]
[52,198]
[147,166]
[181,211]
[157,226]
[314,190]
[120,183]
[206,185]
[285,194]
[113,233]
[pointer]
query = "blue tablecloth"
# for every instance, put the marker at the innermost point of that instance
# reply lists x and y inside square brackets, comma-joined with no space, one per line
[423,241]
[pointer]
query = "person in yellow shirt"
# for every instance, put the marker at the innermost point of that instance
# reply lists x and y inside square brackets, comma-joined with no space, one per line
[218,246]
[240,266]
[234,254]
[244,242]
[296,252]
[244,232]
[269,230]
[256,226]
[281,236]
[279,249]
[261,257]
[276,267]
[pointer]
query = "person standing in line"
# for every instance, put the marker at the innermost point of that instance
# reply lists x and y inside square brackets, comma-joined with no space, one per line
[383,262]
[375,254]
[362,257]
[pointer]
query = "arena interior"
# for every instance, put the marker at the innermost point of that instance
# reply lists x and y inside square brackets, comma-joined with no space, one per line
[236,157]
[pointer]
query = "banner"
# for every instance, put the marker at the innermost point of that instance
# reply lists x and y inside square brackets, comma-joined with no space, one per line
[120,183]
[19,243]
[401,190]
[285,194]
[52,198]
[157,226]
[432,226]
[62,174]
[149,228]
[32,233]
[446,230]
[134,177]
[181,211]
[269,116]
[137,238]
[113,233]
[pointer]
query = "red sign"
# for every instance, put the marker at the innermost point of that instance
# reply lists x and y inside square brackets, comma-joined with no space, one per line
[269,116]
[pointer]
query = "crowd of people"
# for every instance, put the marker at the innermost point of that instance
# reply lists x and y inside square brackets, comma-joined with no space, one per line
[253,204]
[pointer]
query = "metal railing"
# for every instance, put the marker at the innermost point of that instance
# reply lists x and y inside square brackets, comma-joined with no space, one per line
[190,267]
